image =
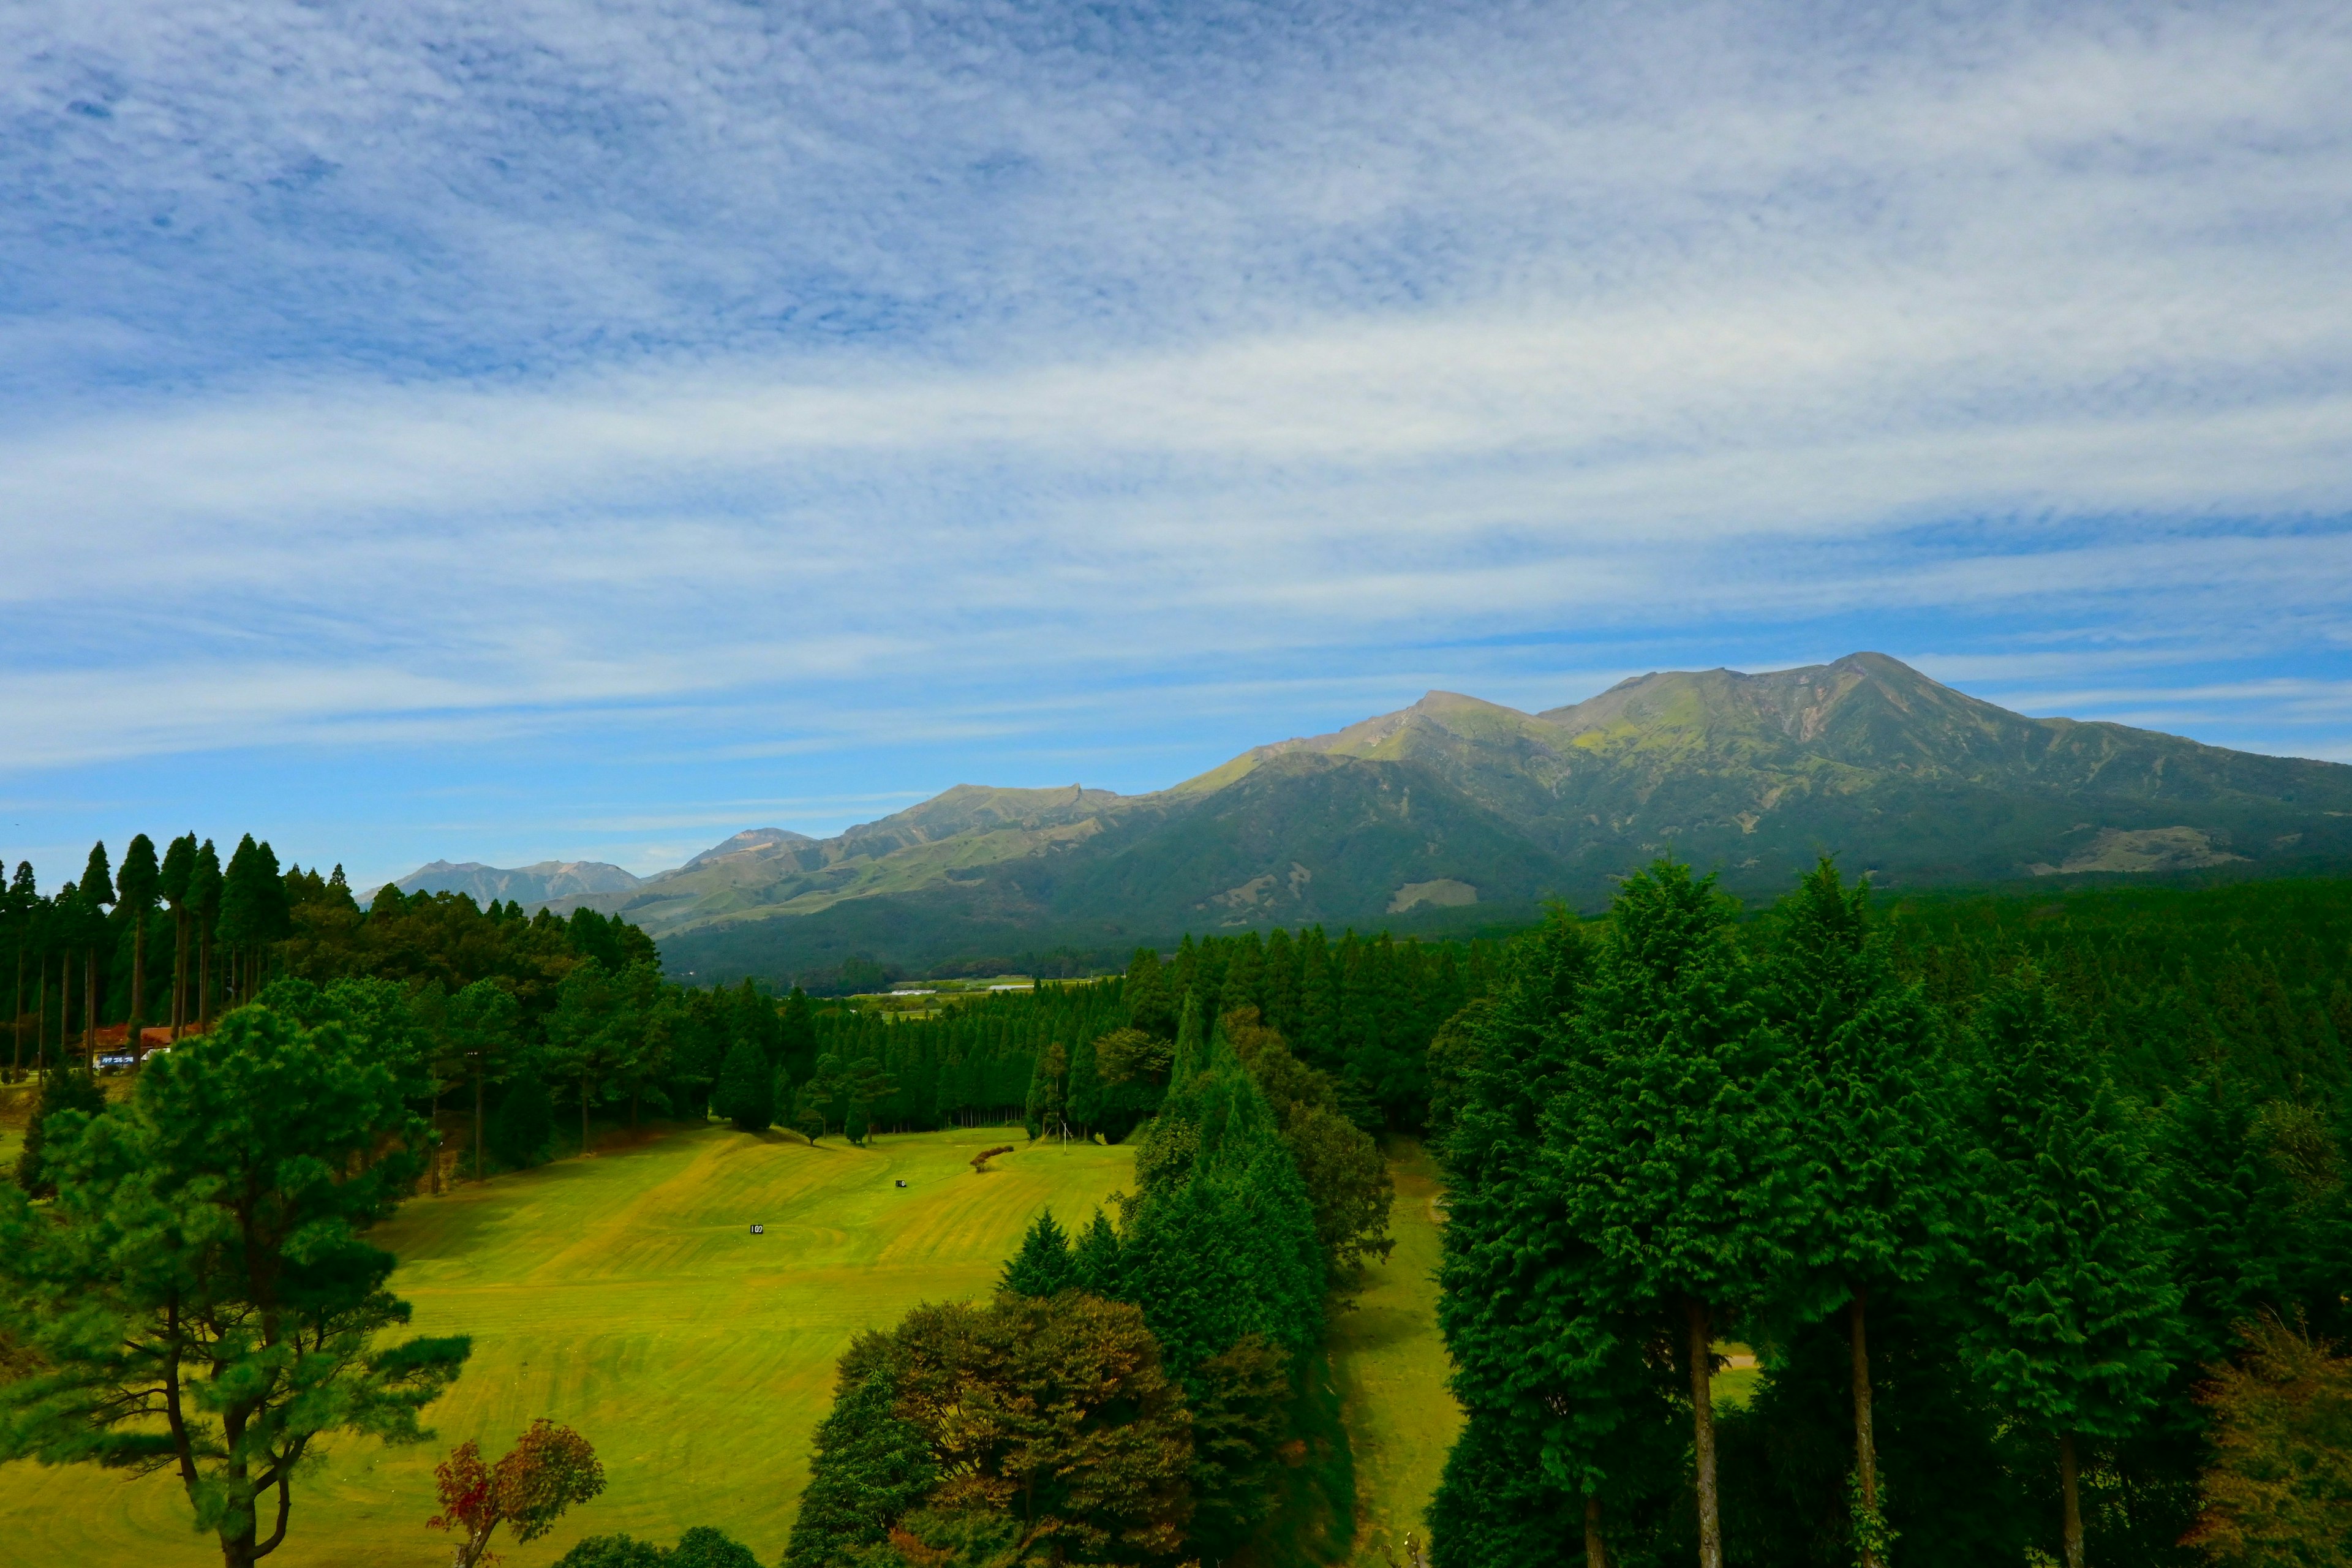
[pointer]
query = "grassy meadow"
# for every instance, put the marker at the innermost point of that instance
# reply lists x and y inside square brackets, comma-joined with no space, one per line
[624,1295]
[1391,1369]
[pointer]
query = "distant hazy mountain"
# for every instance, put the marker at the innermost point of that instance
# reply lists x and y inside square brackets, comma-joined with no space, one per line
[525,885]
[1454,807]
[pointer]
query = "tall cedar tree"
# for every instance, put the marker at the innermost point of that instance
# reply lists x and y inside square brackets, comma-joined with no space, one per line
[745,1093]
[136,888]
[93,893]
[205,887]
[1670,1144]
[1544,1344]
[200,1295]
[1864,1076]
[172,882]
[2072,1309]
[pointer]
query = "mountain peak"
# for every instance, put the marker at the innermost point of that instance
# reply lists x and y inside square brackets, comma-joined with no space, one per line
[750,839]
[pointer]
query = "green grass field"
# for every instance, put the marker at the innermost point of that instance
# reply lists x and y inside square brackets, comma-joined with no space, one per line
[624,1296]
[1390,1368]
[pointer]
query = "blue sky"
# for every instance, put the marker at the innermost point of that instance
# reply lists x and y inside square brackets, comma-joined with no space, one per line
[583,430]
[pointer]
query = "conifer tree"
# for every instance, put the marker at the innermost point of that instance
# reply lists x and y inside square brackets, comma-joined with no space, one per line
[1043,1266]
[523,1124]
[92,894]
[205,887]
[1864,1087]
[745,1089]
[1094,1259]
[1545,1341]
[1192,1045]
[2072,1317]
[870,1467]
[135,894]
[1669,1146]
[172,882]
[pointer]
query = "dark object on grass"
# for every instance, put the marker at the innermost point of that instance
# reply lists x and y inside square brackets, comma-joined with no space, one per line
[701,1547]
[902,1183]
[980,1161]
[758,1230]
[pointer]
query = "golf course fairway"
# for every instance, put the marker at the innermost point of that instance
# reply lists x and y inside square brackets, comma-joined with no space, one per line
[624,1296]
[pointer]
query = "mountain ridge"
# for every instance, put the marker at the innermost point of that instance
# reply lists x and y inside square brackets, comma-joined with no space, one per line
[1454,802]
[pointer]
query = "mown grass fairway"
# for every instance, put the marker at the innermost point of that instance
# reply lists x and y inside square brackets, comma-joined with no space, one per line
[1390,1367]
[624,1295]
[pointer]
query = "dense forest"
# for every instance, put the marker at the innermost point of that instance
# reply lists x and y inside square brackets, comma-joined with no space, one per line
[2000,1190]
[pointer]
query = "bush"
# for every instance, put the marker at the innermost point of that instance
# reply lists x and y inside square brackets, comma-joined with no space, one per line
[61,1090]
[523,1126]
[701,1547]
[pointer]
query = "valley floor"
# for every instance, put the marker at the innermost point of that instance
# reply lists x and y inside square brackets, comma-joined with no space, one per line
[623,1295]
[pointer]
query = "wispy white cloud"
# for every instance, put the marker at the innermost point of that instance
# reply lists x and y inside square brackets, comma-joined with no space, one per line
[653,383]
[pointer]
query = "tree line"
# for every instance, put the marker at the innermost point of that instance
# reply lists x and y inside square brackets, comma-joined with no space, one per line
[1996,1189]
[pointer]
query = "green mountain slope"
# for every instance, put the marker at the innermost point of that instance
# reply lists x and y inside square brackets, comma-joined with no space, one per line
[1454,802]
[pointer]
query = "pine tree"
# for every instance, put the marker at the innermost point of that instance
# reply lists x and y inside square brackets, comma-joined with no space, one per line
[1192,1045]
[2073,1320]
[1094,1260]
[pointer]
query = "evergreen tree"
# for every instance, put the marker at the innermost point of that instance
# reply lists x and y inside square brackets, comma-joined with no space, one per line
[1043,1266]
[2072,1324]
[171,883]
[1669,1145]
[1863,1078]
[205,885]
[524,1124]
[1547,1341]
[67,1090]
[1191,1043]
[871,1467]
[136,889]
[746,1090]
[1094,1260]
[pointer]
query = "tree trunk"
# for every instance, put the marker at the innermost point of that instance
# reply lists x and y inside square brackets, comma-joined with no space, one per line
[89,1008]
[203,978]
[41,1017]
[583,1115]
[179,972]
[2068,1479]
[1596,1551]
[16,1020]
[1702,1369]
[1866,1440]
[478,1118]
[134,1037]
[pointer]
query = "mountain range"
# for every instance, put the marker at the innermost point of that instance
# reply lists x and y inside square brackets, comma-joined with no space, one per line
[1456,810]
